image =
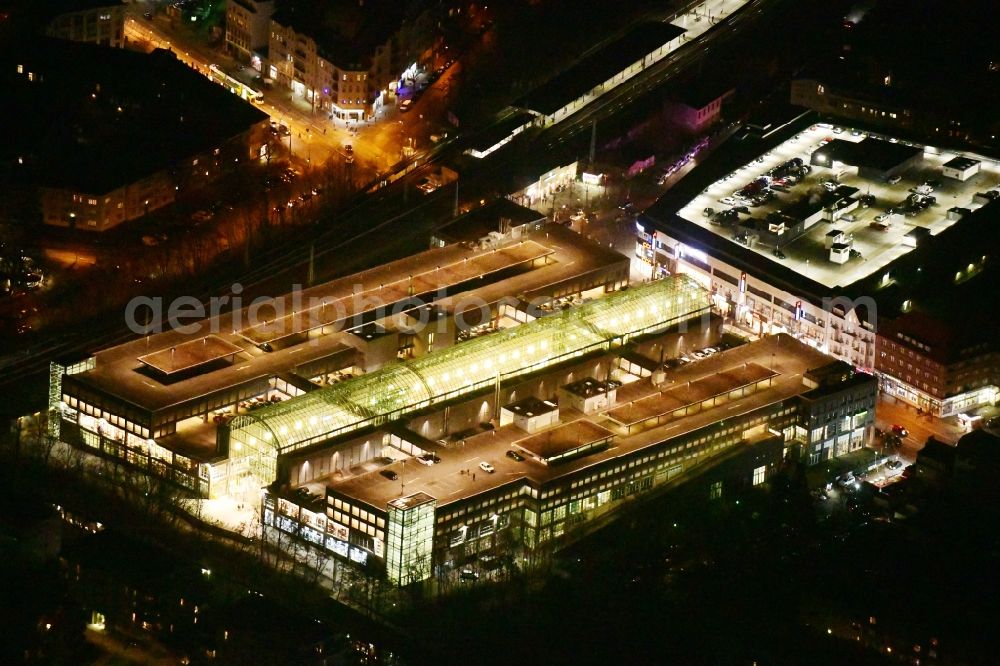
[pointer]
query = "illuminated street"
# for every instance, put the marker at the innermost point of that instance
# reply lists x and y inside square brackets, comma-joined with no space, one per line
[314,139]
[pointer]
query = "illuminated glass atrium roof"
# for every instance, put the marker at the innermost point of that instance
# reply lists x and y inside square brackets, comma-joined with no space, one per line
[395,390]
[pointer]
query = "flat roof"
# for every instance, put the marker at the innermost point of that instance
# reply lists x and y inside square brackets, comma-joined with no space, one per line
[640,360]
[691,393]
[410,501]
[481,220]
[564,440]
[575,256]
[598,65]
[531,406]
[568,257]
[107,117]
[587,387]
[427,273]
[961,163]
[870,152]
[115,370]
[188,355]
[806,270]
[448,481]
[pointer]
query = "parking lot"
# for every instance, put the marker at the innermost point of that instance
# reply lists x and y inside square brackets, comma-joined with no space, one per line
[871,248]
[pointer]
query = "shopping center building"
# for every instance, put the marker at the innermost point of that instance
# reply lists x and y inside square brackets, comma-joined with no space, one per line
[853,229]
[473,397]
[164,401]
[569,434]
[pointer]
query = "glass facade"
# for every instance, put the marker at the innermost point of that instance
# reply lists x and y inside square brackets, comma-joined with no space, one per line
[56,372]
[410,541]
[389,393]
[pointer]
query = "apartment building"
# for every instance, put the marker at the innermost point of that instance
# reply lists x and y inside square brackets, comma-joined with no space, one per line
[248,28]
[100,22]
[90,149]
[345,58]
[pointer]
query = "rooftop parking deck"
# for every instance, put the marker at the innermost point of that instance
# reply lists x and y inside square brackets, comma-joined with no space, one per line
[458,476]
[568,439]
[808,255]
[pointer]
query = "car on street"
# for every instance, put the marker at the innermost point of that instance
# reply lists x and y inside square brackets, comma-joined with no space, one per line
[848,481]
[389,474]
[428,459]
[405,105]
[727,201]
[486,467]
[900,431]
[514,455]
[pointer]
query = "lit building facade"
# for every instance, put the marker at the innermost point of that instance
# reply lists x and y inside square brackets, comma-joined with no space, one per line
[410,539]
[248,27]
[127,402]
[295,64]
[836,305]
[935,366]
[257,440]
[93,153]
[760,305]
[578,472]
[349,77]
[101,23]
[98,211]
[885,105]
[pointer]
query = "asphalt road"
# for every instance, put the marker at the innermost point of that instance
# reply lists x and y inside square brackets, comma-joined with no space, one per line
[890,411]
